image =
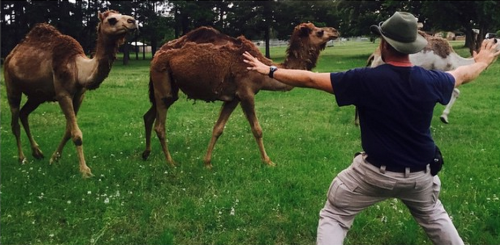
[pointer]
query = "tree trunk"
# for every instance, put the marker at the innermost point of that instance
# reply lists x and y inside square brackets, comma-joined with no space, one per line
[154,43]
[125,54]
[470,40]
[480,38]
[144,49]
[266,36]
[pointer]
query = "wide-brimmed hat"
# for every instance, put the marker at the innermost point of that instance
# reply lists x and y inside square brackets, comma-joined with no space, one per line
[401,32]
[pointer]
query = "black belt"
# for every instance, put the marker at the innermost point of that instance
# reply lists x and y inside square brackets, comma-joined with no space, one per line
[399,169]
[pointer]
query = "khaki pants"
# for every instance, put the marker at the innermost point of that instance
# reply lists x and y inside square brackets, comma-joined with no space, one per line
[362,185]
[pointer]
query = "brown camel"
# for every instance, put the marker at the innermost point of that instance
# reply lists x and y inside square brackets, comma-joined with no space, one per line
[50,66]
[208,65]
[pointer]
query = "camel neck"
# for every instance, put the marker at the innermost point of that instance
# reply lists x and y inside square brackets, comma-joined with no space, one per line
[301,56]
[100,65]
[106,50]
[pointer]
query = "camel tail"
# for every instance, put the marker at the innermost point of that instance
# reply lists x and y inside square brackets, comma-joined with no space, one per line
[151,92]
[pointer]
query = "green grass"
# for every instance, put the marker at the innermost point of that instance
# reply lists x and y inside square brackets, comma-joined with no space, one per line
[239,201]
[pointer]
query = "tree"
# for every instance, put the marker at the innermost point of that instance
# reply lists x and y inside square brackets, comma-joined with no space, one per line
[355,17]
[18,17]
[157,25]
[161,21]
[290,13]
[243,18]
[464,16]
[13,23]
[191,14]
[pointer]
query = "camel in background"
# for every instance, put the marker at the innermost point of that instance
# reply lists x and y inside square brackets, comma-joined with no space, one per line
[208,65]
[437,55]
[49,66]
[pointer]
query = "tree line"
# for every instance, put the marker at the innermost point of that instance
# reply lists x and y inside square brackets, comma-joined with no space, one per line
[161,21]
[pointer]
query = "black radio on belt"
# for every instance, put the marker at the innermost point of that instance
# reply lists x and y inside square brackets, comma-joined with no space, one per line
[437,162]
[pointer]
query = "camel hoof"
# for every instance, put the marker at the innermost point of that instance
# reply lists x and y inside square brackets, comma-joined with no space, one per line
[23,160]
[87,174]
[85,170]
[171,162]
[55,157]
[208,162]
[270,163]
[444,119]
[145,155]
[37,153]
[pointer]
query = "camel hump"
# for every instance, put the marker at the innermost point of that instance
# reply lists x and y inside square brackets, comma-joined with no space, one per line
[46,37]
[206,34]
[203,34]
[42,32]
[439,45]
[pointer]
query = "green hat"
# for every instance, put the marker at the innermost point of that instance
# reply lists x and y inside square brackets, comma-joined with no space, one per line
[401,32]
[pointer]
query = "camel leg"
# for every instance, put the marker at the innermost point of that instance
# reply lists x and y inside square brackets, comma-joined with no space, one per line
[67,133]
[14,102]
[29,107]
[248,107]
[165,94]
[149,119]
[161,118]
[58,153]
[67,106]
[226,110]
[444,115]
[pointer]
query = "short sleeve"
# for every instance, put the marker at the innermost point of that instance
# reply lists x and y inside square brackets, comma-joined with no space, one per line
[445,84]
[347,85]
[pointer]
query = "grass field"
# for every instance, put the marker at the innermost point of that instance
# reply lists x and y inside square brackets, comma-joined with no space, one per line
[239,201]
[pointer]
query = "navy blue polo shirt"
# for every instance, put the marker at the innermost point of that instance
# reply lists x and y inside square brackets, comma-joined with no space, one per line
[395,107]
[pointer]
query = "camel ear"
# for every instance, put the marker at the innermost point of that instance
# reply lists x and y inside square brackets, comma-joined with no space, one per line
[304,31]
[100,15]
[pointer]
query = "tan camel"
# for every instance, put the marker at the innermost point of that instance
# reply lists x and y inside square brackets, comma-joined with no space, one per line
[50,66]
[437,55]
[208,65]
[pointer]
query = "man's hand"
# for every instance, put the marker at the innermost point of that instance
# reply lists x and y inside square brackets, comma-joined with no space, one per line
[488,52]
[255,64]
[487,55]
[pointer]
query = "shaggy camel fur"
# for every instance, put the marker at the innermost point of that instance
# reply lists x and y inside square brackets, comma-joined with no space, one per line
[437,55]
[208,65]
[50,66]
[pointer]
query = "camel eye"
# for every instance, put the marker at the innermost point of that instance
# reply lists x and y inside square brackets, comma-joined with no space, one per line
[320,33]
[112,21]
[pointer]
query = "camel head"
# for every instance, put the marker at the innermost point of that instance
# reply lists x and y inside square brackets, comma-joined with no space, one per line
[115,26]
[306,42]
[497,40]
[314,36]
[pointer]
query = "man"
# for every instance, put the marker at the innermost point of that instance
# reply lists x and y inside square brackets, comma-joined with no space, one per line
[396,102]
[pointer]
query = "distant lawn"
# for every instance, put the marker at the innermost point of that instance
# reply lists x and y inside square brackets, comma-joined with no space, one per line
[239,201]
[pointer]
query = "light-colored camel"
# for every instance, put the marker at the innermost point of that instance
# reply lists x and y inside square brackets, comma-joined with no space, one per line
[437,55]
[49,66]
[208,65]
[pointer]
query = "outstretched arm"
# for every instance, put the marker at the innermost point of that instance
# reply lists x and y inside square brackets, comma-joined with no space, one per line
[296,78]
[487,55]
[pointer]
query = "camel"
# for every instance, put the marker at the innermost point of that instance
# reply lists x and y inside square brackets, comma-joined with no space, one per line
[208,65]
[437,55]
[49,66]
